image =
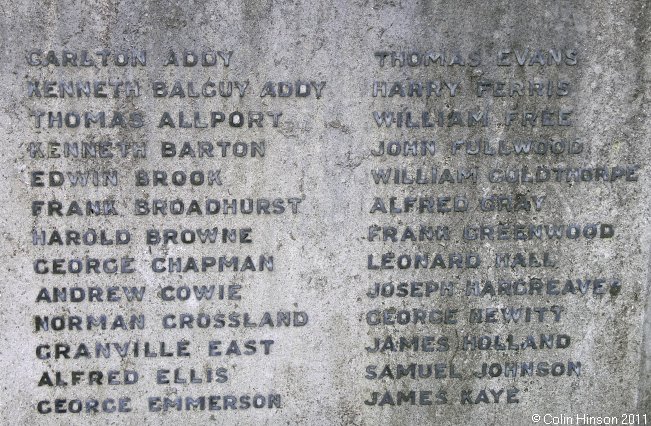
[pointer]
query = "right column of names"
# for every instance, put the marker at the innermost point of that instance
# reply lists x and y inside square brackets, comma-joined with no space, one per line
[482,277]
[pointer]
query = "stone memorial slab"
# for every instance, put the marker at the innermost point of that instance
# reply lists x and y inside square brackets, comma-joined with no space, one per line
[374,212]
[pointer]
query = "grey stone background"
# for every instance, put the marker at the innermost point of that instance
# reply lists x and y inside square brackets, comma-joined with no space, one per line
[321,152]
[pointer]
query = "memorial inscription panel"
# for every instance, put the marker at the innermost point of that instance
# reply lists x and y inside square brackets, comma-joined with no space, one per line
[306,213]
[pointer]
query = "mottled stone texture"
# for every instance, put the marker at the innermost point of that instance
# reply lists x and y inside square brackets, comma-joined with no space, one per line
[320,152]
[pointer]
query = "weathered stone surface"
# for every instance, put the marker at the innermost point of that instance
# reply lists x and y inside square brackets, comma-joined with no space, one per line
[352,167]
